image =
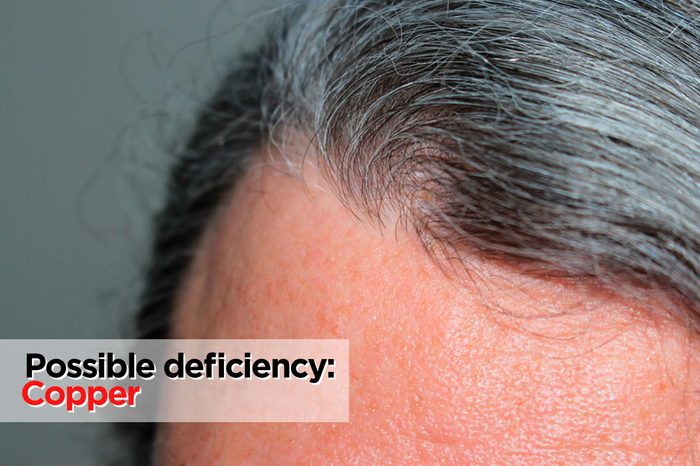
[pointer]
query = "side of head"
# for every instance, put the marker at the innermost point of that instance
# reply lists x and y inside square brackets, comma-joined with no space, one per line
[501,197]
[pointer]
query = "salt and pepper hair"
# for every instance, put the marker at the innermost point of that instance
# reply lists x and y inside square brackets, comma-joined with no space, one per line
[562,134]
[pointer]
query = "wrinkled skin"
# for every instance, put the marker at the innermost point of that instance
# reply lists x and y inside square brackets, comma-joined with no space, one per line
[489,366]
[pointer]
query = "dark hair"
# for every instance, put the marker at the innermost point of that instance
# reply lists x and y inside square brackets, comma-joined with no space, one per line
[563,134]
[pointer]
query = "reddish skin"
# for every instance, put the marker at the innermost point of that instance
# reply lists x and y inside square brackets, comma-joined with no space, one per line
[502,368]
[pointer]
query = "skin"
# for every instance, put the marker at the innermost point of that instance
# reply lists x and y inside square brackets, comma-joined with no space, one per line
[489,365]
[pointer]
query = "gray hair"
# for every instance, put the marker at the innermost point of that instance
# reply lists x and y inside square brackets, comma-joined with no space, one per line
[564,134]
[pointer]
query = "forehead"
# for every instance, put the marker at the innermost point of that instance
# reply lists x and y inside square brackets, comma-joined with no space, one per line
[492,359]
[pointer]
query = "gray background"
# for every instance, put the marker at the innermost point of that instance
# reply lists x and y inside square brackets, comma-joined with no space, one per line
[92,95]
